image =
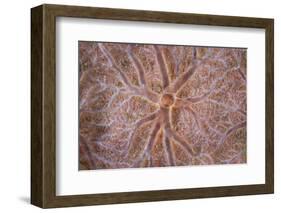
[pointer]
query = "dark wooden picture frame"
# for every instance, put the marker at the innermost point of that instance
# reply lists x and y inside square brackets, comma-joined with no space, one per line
[43,105]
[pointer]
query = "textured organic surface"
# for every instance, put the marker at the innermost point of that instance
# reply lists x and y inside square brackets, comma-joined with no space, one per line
[161,105]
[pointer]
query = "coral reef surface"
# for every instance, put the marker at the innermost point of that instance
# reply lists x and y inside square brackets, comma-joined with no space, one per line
[145,105]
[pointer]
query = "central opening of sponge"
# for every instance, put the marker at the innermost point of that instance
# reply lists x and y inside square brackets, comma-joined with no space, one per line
[167,100]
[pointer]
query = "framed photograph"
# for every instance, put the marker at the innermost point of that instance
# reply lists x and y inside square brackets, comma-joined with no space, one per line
[136,106]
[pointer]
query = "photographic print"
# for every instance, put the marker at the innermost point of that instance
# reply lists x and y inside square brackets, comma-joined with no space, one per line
[152,105]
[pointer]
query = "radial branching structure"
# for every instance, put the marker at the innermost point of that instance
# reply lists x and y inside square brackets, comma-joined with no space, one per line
[161,105]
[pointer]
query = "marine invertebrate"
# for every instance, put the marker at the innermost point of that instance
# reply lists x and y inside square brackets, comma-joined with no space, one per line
[144,105]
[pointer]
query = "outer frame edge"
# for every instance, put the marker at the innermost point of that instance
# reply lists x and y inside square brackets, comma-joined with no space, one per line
[47,198]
